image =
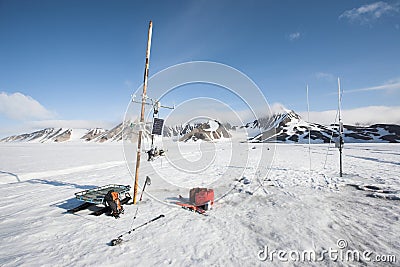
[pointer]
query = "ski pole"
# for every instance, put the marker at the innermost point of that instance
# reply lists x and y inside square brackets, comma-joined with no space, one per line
[118,240]
[147,182]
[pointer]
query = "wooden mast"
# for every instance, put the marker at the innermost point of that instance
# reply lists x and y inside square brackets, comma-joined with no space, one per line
[142,124]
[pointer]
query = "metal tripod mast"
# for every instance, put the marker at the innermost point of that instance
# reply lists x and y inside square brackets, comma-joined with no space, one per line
[340,128]
[139,146]
[309,130]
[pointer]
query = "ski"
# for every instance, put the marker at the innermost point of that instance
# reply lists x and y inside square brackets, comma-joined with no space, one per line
[107,209]
[119,239]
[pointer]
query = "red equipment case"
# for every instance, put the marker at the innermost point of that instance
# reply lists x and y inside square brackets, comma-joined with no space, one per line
[200,196]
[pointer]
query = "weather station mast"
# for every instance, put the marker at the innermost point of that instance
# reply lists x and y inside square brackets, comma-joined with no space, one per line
[157,123]
[139,144]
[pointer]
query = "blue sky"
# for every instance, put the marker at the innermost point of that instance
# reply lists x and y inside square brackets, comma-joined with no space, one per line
[78,62]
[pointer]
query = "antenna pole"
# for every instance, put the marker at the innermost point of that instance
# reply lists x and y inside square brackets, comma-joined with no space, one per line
[340,128]
[309,129]
[139,146]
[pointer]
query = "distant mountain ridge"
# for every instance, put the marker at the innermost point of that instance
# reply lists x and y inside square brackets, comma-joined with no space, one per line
[284,126]
[288,126]
[56,135]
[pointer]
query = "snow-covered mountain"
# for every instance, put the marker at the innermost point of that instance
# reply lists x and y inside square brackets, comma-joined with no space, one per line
[56,135]
[283,126]
[115,134]
[288,126]
[93,133]
[207,131]
[177,130]
[210,130]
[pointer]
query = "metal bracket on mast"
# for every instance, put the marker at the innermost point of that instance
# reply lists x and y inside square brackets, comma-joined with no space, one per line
[156,104]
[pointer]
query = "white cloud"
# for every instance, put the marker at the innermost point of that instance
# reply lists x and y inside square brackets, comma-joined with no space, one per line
[390,86]
[364,115]
[294,36]
[324,76]
[393,81]
[278,108]
[370,12]
[18,106]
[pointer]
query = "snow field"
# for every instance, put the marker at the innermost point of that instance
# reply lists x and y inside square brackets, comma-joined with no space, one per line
[295,209]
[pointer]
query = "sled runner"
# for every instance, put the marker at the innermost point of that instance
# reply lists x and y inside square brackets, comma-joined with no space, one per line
[192,207]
